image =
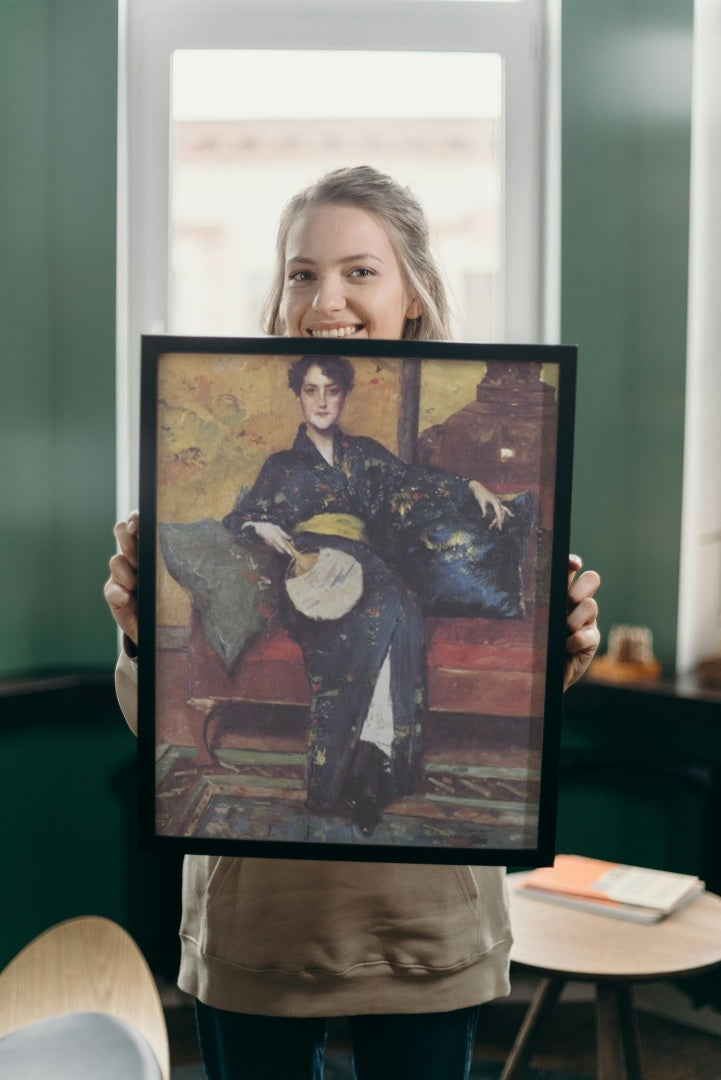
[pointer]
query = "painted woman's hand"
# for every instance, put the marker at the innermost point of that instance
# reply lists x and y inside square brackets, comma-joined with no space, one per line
[488,501]
[120,589]
[273,536]
[583,635]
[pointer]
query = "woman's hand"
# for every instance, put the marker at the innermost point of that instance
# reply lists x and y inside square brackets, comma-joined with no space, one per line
[583,635]
[487,500]
[273,536]
[121,587]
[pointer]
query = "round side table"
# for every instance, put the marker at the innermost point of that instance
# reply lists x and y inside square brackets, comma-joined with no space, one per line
[563,944]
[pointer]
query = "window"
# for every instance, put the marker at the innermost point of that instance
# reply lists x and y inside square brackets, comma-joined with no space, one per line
[236,159]
[227,107]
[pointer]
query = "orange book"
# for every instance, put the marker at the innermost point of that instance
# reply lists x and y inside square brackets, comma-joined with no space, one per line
[632,892]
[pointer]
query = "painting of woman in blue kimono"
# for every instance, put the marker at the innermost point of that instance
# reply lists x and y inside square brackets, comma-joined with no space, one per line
[365,668]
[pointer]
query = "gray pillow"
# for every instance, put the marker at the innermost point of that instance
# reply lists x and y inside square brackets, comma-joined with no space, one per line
[232,580]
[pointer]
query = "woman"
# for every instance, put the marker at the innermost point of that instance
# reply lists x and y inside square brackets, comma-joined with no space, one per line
[366,668]
[271,948]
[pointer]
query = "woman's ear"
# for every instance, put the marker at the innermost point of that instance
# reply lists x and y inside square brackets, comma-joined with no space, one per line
[415,309]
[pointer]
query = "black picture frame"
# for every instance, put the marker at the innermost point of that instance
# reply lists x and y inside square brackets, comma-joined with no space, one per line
[232,753]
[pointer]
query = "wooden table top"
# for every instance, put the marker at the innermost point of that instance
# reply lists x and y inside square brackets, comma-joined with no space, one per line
[559,940]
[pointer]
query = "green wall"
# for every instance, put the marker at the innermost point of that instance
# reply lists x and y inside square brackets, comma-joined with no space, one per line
[641,779]
[58,72]
[626,145]
[68,802]
[67,761]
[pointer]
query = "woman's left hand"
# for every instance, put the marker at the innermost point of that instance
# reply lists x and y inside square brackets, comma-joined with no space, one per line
[582,633]
[487,500]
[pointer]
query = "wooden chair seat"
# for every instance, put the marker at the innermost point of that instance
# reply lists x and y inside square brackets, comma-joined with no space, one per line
[81,967]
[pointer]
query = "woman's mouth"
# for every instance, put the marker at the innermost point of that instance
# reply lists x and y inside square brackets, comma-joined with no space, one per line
[335,331]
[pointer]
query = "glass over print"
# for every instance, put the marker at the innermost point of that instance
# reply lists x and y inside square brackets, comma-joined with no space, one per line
[352,597]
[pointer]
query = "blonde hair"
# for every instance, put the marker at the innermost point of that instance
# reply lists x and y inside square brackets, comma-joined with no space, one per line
[403,217]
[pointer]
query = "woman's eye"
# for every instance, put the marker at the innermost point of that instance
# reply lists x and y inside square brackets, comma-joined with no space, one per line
[300,276]
[362,272]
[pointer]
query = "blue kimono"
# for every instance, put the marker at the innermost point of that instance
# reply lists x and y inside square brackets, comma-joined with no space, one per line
[386,498]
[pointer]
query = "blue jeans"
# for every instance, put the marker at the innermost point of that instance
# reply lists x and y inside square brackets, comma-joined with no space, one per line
[415,1046]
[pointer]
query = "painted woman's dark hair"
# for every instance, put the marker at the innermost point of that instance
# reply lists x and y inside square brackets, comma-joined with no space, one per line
[336,368]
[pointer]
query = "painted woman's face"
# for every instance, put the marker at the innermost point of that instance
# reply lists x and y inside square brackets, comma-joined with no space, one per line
[321,400]
[342,277]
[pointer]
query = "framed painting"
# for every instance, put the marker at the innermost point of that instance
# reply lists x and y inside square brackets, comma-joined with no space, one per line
[352,597]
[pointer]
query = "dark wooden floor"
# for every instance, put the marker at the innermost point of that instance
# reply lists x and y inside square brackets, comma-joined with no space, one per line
[670,1051]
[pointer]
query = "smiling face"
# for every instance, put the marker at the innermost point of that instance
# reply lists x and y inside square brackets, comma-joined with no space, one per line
[321,399]
[342,277]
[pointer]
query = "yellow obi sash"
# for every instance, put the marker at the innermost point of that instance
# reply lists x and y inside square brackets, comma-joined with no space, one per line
[346,525]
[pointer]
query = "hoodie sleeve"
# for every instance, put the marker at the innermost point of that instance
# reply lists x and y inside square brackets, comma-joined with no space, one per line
[126,688]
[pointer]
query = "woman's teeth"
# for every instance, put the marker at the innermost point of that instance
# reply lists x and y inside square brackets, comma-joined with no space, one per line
[336,332]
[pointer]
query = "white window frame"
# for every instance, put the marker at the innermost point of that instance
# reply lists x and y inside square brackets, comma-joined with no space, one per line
[526,34]
[699,598]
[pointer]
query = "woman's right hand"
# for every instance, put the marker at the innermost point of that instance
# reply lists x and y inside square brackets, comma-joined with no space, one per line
[120,589]
[490,502]
[273,536]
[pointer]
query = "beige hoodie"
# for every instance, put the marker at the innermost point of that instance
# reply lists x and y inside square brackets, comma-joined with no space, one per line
[284,937]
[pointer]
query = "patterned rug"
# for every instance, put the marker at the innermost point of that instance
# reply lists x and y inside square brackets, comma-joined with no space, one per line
[260,795]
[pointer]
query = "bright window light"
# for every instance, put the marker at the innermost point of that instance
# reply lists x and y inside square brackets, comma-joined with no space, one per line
[220,84]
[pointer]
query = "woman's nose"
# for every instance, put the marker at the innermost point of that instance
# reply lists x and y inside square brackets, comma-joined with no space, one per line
[329,295]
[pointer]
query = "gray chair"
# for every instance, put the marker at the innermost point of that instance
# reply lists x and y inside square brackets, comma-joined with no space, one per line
[80,1002]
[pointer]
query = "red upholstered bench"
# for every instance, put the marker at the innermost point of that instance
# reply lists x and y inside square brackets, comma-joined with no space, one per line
[482,667]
